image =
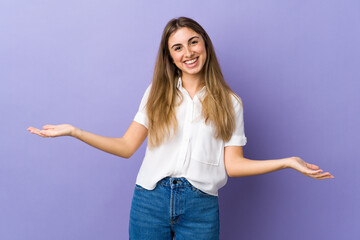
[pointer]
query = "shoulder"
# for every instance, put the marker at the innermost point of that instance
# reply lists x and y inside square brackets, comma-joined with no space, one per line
[147,91]
[145,97]
[236,100]
[148,88]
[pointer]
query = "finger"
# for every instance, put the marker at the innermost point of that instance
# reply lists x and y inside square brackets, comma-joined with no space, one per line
[322,175]
[321,178]
[37,132]
[325,177]
[33,130]
[45,133]
[315,172]
[312,166]
[48,127]
[41,134]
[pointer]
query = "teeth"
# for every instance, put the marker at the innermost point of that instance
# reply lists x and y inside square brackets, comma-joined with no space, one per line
[192,61]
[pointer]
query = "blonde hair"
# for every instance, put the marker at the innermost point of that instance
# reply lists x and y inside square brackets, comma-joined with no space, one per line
[164,96]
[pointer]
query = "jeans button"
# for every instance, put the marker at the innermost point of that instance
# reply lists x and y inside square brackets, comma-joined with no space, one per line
[174,182]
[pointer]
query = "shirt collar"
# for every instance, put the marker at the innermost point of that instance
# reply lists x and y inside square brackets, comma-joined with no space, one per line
[180,87]
[179,83]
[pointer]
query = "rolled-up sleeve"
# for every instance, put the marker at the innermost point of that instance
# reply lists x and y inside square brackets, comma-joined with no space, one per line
[141,116]
[238,137]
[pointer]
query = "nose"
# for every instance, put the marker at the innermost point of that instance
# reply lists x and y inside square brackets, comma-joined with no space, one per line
[188,52]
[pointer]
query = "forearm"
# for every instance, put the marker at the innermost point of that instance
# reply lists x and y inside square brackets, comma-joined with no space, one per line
[242,167]
[116,146]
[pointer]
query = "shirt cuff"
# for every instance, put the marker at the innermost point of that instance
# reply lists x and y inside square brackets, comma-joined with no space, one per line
[236,141]
[141,118]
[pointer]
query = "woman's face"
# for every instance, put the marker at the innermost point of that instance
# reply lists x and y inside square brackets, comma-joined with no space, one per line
[188,51]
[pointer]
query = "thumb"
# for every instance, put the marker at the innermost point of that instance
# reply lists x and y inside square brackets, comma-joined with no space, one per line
[45,127]
[315,171]
[312,166]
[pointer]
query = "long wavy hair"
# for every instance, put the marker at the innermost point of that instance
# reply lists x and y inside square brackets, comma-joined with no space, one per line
[217,107]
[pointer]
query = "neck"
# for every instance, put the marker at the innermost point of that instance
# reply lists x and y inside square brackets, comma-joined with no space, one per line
[192,83]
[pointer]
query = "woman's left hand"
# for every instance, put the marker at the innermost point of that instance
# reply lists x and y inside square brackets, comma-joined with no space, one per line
[308,169]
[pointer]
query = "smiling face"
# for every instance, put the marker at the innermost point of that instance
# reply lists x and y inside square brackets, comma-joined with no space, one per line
[188,52]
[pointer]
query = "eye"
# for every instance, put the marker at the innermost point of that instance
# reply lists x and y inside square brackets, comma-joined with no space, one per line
[194,42]
[177,48]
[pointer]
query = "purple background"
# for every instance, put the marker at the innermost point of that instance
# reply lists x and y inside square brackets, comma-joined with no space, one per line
[295,65]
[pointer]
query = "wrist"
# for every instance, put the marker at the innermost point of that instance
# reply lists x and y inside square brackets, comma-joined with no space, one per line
[288,162]
[75,132]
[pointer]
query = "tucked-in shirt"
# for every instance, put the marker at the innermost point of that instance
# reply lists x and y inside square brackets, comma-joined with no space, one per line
[194,152]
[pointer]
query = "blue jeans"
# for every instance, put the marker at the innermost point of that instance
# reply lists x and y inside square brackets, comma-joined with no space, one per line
[174,208]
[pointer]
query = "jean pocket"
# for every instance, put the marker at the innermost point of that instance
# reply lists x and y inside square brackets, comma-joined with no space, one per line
[201,193]
[139,188]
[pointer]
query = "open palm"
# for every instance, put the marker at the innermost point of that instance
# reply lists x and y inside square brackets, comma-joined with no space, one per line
[53,130]
[308,169]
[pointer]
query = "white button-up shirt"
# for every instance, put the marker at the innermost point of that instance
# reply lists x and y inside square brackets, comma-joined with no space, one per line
[194,152]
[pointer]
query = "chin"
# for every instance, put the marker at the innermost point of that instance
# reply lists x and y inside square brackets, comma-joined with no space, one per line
[192,72]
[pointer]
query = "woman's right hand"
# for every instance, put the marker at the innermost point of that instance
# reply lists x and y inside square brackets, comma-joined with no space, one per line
[54,130]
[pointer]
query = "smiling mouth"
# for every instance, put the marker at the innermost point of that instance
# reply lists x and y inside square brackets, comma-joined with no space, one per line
[191,61]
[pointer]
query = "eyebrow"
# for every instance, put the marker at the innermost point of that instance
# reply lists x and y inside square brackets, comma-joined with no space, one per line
[178,44]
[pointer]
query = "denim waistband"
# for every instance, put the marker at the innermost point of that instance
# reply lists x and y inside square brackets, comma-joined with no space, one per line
[174,181]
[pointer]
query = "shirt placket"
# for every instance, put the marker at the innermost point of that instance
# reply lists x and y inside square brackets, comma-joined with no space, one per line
[186,133]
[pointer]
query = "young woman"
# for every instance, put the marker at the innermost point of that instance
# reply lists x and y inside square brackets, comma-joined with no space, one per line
[194,123]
